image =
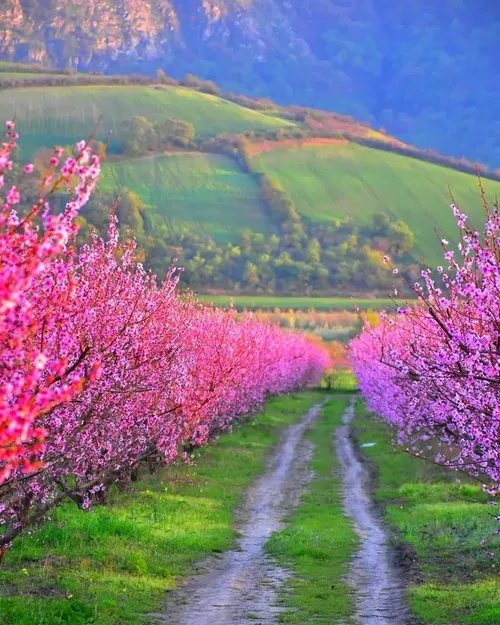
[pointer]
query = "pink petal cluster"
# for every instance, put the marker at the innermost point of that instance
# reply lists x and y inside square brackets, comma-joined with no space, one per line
[27,248]
[434,370]
[102,367]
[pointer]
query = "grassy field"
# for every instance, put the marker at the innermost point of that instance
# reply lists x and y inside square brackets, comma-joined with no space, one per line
[331,182]
[319,540]
[48,115]
[208,192]
[113,565]
[25,76]
[270,302]
[440,524]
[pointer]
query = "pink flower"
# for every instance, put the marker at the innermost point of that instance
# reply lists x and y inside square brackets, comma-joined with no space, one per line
[29,168]
[13,196]
[433,373]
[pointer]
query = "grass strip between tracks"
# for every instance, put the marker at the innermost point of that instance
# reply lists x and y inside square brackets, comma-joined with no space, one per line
[319,541]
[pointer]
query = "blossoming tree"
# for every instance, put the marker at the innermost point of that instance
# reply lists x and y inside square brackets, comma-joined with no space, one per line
[434,371]
[101,366]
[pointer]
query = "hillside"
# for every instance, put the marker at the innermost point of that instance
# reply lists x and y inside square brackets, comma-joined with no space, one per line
[208,193]
[425,70]
[352,181]
[249,197]
[64,115]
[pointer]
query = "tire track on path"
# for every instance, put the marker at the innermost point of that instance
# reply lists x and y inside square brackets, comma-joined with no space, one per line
[378,585]
[244,584]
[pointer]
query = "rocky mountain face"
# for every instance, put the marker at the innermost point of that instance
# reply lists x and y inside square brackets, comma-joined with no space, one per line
[426,70]
[94,34]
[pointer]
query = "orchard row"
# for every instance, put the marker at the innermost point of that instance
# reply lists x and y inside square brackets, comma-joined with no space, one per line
[433,370]
[101,366]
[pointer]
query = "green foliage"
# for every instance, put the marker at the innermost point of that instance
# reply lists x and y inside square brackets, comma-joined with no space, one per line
[174,132]
[114,565]
[140,136]
[279,202]
[439,525]
[24,68]
[340,381]
[22,76]
[205,86]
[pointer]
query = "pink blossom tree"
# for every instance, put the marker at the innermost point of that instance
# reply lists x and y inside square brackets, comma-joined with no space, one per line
[434,371]
[27,247]
[103,367]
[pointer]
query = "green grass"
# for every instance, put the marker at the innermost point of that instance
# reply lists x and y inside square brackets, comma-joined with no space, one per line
[440,524]
[113,565]
[270,302]
[26,76]
[331,182]
[48,115]
[319,540]
[208,192]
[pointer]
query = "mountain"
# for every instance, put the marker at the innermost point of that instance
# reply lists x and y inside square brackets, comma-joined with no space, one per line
[425,70]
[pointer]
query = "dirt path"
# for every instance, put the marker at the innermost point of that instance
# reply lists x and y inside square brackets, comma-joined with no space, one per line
[243,584]
[378,586]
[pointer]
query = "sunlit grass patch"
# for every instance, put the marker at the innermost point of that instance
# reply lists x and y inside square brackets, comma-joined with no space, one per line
[439,523]
[270,302]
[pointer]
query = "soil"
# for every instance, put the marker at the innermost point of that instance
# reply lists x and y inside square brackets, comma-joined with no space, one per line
[378,583]
[268,146]
[243,584]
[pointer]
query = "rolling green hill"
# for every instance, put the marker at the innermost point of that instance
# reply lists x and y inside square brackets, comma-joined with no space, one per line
[313,188]
[211,194]
[66,114]
[331,182]
[207,192]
